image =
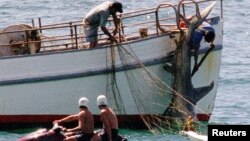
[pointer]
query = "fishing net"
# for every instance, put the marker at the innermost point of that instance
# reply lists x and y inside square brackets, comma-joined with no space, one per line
[113,91]
[150,93]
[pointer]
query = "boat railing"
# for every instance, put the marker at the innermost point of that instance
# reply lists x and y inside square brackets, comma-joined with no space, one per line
[135,25]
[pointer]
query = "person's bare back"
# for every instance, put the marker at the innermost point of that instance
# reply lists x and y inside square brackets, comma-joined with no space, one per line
[108,118]
[85,128]
[86,121]
[108,115]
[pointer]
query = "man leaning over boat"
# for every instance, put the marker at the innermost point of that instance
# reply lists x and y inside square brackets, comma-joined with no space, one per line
[98,16]
[204,30]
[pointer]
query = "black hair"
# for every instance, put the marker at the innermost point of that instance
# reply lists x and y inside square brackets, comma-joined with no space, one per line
[118,6]
[34,34]
[209,36]
[83,107]
[102,106]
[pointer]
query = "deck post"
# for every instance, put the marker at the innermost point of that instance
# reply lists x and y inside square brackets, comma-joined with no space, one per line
[27,38]
[71,32]
[157,22]
[75,28]
[183,10]
[40,24]
[33,23]
[221,8]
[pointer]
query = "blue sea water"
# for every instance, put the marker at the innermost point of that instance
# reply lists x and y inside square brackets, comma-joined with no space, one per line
[232,102]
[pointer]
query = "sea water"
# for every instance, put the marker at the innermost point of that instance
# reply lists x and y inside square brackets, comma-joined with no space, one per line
[232,104]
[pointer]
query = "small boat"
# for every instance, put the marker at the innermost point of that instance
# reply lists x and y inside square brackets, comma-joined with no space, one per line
[54,134]
[194,136]
[38,87]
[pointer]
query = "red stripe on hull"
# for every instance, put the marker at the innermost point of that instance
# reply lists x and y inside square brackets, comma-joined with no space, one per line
[51,118]
[125,121]
[29,118]
[203,117]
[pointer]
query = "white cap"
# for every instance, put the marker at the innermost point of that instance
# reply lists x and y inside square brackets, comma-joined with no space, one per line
[83,101]
[101,100]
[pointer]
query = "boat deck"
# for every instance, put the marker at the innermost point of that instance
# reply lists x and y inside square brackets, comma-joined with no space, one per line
[133,26]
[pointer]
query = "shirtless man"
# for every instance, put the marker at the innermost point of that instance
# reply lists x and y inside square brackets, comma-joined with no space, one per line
[109,119]
[85,129]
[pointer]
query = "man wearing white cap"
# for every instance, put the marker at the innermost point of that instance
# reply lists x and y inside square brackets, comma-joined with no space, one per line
[85,129]
[108,118]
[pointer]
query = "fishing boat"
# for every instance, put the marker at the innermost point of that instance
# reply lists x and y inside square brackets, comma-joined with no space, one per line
[38,87]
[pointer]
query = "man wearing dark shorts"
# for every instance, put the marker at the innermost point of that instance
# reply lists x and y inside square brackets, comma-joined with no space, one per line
[105,136]
[85,129]
[84,136]
[109,119]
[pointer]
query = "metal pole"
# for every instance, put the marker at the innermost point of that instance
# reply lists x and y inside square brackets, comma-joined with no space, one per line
[183,10]
[75,27]
[71,29]
[157,22]
[27,40]
[71,32]
[221,8]
[33,23]
[40,24]
[203,59]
